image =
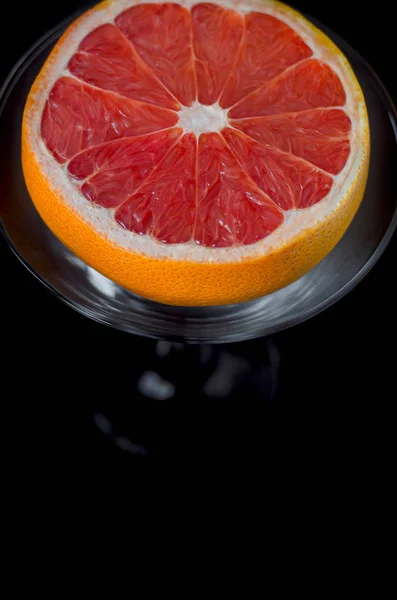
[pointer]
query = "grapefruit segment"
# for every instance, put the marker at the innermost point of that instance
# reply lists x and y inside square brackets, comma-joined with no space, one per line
[319,136]
[114,170]
[165,205]
[231,210]
[287,180]
[162,36]
[310,84]
[268,47]
[107,60]
[78,116]
[217,34]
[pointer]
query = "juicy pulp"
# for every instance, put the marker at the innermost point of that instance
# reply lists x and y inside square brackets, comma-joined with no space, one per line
[117,120]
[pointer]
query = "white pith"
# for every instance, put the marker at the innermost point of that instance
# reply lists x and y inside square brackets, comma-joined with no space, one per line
[199,119]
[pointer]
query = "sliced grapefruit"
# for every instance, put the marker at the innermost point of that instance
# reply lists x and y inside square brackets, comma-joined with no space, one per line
[196,153]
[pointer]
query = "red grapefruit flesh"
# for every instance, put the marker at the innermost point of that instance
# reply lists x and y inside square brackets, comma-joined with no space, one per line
[165,205]
[107,60]
[217,35]
[231,209]
[268,47]
[162,36]
[319,136]
[115,122]
[310,84]
[78,116]
[113,171]
[289,181]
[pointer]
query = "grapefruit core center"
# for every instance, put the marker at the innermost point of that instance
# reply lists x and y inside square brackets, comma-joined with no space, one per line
[200,118]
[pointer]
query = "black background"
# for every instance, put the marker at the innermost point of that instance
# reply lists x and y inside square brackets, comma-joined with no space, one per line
[337,388]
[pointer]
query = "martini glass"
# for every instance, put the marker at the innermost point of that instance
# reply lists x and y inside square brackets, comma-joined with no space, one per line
[195,346]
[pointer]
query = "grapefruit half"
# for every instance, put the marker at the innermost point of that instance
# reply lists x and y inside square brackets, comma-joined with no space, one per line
[196,153]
